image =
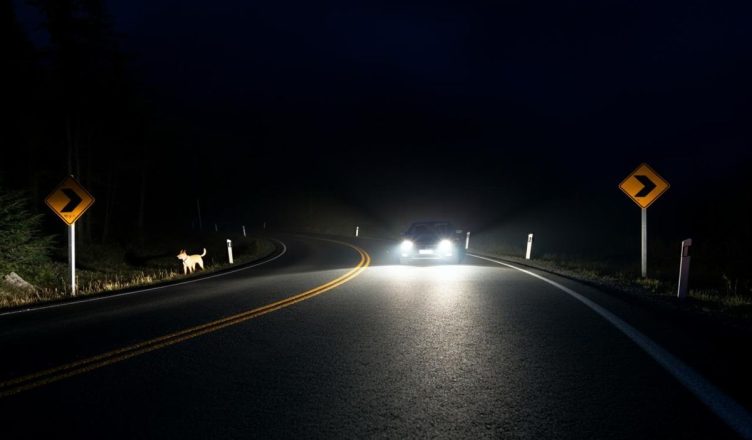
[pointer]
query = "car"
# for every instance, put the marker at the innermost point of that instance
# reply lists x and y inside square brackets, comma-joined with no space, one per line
[432,240]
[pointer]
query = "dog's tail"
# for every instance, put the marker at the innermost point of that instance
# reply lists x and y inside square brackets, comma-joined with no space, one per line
[204,252]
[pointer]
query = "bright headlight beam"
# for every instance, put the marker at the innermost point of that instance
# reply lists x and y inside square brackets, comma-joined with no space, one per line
[406,245]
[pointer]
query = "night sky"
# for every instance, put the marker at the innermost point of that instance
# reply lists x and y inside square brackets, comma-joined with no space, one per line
[476,111]
[569,78]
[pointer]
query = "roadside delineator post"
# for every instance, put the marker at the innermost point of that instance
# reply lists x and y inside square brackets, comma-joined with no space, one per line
[684,269]
[529,250]
[357,230]
[244,231]
[229,251]
[467,240]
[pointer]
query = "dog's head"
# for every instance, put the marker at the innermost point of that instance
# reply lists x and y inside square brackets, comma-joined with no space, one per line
[182,255]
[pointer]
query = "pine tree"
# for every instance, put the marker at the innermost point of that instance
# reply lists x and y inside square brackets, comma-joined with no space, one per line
[23,248]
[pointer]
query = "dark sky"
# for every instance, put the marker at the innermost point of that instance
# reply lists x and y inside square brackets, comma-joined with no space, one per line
[504,100]
[470,72]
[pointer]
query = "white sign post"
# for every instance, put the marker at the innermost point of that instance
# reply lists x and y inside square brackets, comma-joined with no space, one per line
[229,251]
[684,269]
[467,240]
[529,250]
[644,251]
[72,256]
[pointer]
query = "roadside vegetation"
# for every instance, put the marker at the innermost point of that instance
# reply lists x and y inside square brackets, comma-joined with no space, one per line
[23,247]
[41,260]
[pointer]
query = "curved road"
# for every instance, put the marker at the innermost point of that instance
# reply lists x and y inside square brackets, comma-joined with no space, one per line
[329,340]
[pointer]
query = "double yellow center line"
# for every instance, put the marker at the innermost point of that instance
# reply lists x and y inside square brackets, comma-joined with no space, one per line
[34,380]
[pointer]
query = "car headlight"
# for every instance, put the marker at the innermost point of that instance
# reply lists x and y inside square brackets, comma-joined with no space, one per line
[406,245]
[445,245]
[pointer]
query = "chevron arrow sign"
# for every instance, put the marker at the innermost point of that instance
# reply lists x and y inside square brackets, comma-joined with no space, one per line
[69,200]
[644,185]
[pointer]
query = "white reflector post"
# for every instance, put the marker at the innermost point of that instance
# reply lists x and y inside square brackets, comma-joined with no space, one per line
[229,251]
[357,230]
[684,269]
[529,250]
[467,240]
[244,231]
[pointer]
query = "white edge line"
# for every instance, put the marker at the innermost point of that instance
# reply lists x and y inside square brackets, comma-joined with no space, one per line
[731,412]
[133,292]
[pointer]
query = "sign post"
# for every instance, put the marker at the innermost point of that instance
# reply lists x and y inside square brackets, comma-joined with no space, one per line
[72,256]
[69,201]
[644,186]
[644,243]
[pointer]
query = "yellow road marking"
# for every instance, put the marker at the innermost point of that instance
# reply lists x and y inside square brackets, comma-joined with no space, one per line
[34,380]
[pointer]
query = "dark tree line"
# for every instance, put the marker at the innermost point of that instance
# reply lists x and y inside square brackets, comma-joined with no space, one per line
[73,107]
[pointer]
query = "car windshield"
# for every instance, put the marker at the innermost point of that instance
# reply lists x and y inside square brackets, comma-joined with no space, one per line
[436,229]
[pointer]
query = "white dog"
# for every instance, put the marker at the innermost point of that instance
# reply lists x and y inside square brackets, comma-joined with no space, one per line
[190,261]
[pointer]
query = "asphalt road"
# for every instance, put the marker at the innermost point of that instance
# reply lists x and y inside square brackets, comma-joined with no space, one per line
[370,349]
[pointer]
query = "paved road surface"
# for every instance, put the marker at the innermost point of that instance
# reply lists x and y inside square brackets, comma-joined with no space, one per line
[477,350]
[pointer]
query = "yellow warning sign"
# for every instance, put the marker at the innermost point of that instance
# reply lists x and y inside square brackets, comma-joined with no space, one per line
[69,200]
[644,186]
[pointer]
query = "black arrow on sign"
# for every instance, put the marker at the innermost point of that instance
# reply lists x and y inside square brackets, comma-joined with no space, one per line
[75,200]
[648,185]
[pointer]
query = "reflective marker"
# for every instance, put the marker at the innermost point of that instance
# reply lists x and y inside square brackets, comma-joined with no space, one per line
[529,246]
[684,269]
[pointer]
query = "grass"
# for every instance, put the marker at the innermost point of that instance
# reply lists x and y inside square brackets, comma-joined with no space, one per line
[104,269]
